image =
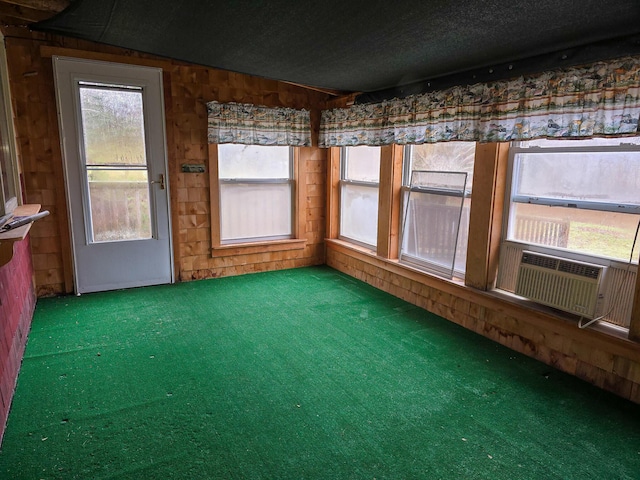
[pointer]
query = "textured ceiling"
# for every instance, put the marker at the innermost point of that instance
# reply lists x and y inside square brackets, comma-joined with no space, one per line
[360,45]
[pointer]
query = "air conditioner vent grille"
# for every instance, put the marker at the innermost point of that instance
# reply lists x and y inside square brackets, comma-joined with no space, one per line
[582,270]
[567,266]
[540,261]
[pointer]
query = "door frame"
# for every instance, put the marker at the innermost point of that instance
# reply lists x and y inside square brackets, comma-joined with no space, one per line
[121,73]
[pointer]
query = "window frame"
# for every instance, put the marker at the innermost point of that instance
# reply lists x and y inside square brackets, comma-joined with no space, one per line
[297,241]
[513,166]
[344,181]
[289,181]
[7,142]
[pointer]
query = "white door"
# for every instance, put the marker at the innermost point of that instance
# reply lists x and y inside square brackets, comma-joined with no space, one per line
[113,140]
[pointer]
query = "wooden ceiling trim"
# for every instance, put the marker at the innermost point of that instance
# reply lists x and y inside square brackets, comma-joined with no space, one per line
[24,12]
[44,5]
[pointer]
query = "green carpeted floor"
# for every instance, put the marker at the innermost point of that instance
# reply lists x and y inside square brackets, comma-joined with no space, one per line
[297,374]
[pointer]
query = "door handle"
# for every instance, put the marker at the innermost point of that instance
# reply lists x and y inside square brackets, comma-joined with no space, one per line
[161,181]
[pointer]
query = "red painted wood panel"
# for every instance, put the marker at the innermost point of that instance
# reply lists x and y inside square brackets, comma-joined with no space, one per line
[17,303]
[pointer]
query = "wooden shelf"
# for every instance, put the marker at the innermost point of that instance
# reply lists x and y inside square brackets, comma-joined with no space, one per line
[7,239]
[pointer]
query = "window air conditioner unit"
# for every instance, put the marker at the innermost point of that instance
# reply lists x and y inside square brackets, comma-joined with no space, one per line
[560,283]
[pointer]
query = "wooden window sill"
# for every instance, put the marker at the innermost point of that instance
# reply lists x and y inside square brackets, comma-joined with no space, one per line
[257,247]
[7,239]
[416,273]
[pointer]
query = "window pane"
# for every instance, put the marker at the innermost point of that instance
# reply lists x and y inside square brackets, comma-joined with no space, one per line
[359,213]
[255,210]
[7,181]
[604,234]
[608,177]
[113,126]
[8,163]
[362,163]
[433,224]
[253,161]
[444,156]
[431,228]
[119,204]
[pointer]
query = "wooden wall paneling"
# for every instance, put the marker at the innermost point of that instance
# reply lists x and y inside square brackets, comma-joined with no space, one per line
[194,197]
[214,195]
[173,171]
[316,166]
[389,200]
[38,141]
[497,217]
[333,193]
[62,214]
[485,220]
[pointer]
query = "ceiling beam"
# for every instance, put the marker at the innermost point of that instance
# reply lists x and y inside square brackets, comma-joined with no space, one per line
[44,5]
[23,14]
[327,91]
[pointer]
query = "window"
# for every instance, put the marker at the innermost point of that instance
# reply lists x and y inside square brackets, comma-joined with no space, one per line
[574,199]
[9,187]
[256,193]
[437,183]
[359,185]
[576,195]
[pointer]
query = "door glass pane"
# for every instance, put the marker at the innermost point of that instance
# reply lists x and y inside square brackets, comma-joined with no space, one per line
[115,162]
[119,202]
[113,125]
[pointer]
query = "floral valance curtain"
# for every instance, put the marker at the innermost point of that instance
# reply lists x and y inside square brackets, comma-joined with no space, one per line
[597,100]
[258,125]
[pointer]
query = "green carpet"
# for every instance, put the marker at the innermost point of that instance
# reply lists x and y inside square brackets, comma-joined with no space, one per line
[297,374]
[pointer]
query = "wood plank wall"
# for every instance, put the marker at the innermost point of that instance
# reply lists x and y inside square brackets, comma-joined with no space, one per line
[187,89]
